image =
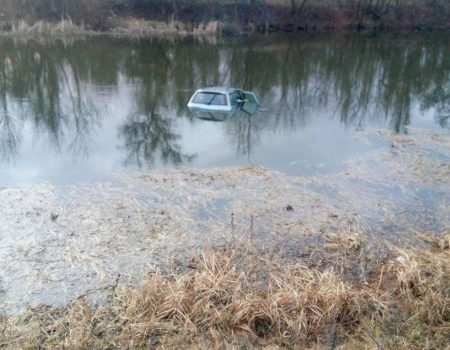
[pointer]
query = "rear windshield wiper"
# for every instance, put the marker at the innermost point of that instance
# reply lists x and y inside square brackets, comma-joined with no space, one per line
[215,95]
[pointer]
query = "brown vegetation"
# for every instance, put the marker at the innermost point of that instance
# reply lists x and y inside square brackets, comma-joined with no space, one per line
[139,27]
[46,28]
[234,15]
[348,295]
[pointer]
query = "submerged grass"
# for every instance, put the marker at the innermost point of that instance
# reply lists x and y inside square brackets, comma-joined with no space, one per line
[351,292]
[345,295]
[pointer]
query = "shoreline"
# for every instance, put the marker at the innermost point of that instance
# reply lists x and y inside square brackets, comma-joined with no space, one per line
[347,293]
[214,28]
[235,257]
[159,214]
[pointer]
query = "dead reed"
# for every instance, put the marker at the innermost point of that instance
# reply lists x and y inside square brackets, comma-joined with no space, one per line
[142,27]
[63,27]
[241,297]
[126,26]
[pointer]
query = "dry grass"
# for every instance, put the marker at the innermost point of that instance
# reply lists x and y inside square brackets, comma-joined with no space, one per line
[141,27]
[345,240]
[238,297]
[128,26]
[63,27]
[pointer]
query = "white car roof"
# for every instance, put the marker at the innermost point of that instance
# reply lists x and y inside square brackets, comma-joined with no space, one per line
[217,89]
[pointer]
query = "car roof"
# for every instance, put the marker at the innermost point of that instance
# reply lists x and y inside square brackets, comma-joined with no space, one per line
[217,89]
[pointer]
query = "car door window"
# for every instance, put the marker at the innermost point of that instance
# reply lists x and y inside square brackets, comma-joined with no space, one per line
[234,98]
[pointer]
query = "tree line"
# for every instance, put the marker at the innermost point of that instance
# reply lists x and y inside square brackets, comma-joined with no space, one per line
[265,15]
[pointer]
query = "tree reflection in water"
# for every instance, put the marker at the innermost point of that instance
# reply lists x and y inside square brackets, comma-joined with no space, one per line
[148,138]
[57,88]
[41,85]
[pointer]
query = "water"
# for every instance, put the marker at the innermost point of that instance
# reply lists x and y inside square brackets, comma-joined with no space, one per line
[79,110]
[78,118]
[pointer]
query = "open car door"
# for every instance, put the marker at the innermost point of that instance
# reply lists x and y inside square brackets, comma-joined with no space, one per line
[250,97]
[251,102]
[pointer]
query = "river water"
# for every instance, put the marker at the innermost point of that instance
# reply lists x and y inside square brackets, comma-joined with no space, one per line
[79,110]
[105,172]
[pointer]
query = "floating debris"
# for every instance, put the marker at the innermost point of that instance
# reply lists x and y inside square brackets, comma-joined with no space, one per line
[136,223]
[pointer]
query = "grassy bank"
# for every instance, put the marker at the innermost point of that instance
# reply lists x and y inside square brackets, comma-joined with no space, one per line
[346,294]
[126,26]
[231,16]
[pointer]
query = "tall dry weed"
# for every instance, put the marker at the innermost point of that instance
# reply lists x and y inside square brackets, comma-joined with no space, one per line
[239,297]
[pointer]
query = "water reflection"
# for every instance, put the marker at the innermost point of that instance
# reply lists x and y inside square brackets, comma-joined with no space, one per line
[148,136]
[125,99]
[41,85]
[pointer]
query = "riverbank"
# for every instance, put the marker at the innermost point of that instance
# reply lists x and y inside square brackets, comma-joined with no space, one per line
[122,26]
[347,294]
[223,17]
[235,257]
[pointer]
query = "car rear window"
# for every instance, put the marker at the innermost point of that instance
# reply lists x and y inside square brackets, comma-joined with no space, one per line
[210,98]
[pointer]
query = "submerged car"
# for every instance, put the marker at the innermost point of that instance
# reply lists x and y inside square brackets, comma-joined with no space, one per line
[223,99]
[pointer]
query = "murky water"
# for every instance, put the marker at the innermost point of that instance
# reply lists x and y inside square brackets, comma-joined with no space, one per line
[364,121]
[77,110]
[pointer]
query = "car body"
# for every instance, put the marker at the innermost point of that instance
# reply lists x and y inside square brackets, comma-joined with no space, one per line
[221,99]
